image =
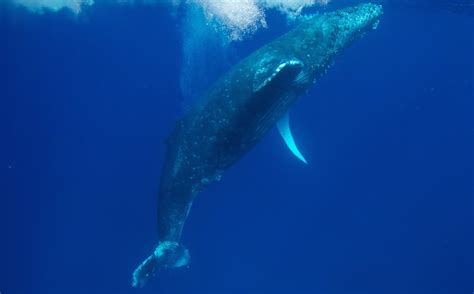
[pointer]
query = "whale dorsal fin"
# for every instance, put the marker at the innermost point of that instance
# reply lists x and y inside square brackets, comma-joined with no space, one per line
[272,71]
[284,128]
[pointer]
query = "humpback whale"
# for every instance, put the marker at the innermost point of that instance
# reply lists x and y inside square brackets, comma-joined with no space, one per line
[237,111]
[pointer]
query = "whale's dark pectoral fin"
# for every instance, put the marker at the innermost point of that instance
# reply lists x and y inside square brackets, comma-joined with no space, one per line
[166,255]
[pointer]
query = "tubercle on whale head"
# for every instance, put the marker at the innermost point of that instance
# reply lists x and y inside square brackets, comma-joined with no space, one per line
[345,25]
[362,16]
[326,35]
[354,21]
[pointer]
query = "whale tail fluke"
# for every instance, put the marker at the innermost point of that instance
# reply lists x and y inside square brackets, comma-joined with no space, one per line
[166,255]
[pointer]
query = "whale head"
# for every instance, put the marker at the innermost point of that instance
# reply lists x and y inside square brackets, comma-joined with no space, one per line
[289,66]
[349,24]
[355,20]
[322,37]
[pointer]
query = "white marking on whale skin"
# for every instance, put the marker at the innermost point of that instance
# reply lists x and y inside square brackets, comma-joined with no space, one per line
[283,126]
[268,68]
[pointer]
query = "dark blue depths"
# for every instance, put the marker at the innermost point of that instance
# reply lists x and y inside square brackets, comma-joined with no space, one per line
[384,206]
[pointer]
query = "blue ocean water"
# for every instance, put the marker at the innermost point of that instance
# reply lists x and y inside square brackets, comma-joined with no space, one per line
[385,204]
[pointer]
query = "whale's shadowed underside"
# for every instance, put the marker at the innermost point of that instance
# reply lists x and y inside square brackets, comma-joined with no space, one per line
[237,111]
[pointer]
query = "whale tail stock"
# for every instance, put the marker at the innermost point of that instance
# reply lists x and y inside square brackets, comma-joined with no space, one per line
[167,254]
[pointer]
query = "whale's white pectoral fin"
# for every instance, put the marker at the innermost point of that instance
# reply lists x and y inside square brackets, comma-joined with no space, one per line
[283,126]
